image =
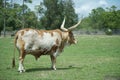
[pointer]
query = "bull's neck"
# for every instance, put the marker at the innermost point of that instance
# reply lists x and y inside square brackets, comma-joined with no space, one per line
[65,37]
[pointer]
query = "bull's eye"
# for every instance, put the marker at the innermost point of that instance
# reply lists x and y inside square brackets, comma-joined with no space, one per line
[30,47]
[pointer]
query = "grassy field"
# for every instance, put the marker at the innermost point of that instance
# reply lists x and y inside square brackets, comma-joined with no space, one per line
[93,58]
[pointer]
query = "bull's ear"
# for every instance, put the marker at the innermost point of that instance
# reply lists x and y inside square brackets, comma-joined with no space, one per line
[73,27]
[62,26]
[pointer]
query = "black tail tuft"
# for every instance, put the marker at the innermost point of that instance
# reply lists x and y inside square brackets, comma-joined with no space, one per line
[13,63]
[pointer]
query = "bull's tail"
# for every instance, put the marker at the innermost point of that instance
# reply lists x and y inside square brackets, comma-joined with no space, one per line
[13,60]
[13,63]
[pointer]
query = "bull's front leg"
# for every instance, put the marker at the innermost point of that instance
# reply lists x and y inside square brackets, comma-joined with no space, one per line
[53,60]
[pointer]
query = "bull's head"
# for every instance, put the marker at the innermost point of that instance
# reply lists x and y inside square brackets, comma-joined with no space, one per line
[70,37]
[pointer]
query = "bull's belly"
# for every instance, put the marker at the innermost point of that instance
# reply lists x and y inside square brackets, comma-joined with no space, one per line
[38,51]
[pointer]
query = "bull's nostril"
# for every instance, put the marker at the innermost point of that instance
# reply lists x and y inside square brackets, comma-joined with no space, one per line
[75,42]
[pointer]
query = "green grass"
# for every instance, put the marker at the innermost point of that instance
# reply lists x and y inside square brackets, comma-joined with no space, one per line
[93,58]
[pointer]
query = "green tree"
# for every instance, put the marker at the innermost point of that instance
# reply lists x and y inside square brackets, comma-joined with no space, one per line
[69,12]
[112,18]
[97,18]
[39,11]
[55,11]
[104,19]
[1,16]
[31,20]
[23,8]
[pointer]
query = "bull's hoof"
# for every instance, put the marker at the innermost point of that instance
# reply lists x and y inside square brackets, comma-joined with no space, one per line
[21,71]
[53,68]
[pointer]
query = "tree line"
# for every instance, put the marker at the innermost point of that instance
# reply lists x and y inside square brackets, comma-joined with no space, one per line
[50,13]
[107,20]
[47,15]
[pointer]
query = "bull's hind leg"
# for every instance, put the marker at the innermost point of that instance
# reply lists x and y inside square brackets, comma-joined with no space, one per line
[21,59]
[53,60]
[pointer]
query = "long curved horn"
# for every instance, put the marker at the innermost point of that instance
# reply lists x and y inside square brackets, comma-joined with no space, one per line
[72,27]
[62,26]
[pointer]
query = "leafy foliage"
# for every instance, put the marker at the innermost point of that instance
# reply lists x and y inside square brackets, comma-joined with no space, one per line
[103,19]
[47,15]
[55,11]
[14,16]
[50,14]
